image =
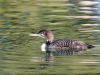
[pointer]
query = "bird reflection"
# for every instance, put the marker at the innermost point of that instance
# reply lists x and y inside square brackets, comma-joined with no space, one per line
[50,53]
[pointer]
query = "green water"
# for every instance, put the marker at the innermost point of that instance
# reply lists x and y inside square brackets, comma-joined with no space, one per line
[19,18]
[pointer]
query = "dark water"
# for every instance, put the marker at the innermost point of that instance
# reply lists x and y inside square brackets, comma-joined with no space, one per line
[20,54]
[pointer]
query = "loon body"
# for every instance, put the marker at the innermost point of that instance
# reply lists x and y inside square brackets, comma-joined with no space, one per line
[52,45]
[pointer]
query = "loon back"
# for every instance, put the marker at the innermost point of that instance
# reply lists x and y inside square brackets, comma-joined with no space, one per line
[69,44]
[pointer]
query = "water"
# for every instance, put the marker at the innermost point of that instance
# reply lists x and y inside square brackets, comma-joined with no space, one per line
[20,54]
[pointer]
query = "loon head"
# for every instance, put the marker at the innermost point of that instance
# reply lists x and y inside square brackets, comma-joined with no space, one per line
[47,34]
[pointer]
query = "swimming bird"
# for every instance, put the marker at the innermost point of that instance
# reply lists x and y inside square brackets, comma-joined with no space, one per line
[60,45]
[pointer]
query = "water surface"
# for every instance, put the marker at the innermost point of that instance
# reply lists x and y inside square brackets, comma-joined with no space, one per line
[17,49]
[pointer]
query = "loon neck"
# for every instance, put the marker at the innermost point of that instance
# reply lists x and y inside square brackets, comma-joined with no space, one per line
[48,43]
[45,45]
[49,36]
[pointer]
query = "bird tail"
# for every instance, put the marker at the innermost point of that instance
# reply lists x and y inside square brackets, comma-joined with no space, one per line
[90,46]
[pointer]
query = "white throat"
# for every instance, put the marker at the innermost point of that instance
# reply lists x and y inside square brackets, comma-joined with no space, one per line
[43,47]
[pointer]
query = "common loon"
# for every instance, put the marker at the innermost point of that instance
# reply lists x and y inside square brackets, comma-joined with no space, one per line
[52,45]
